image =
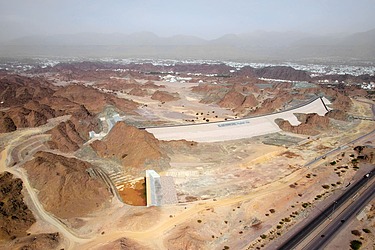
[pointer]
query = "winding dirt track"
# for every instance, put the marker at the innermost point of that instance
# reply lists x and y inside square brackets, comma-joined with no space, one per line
[70,238]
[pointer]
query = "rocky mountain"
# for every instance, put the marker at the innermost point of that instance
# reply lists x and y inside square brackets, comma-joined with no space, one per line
[30,102]
[133,147]
[64,186]
[283,72]
[311,124]
[6,123]
[93,99]
[65,137]
[260,45]
[164,96]
[15,217]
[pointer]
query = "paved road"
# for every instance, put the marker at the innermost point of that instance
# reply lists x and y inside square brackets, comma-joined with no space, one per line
[321,240]
[372,133]
[295,239]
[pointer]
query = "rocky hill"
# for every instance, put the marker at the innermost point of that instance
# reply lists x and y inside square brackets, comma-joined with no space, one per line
[311,124]
[164,96]
[93,99]
[283,72]
[64,186]
[138,91]
[133,147]
[65,137]
[6,123]
[15,217]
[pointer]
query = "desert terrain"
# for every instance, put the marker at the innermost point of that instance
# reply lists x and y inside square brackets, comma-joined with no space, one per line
[252,152]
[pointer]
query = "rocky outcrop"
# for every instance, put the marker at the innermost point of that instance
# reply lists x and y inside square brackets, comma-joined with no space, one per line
[123,244]
[94,100]
[271,105]
[6,123]
[133,147]
[339,100]
[15,217]
[45,241]
[337,115]
[152,85]
[65,137]
[137,91]
[64,186]
[164,96]
[311,124]
[232,100]
[283,73]
[24,118]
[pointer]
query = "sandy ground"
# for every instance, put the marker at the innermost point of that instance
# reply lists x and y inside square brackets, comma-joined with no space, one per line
[237,190]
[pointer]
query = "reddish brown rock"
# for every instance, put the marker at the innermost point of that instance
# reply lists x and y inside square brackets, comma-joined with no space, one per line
[283,73]
[311,124]
[152,85]
[37,242]
[135,148]
[6,123]
[64,186]
[137,91]
[164,96]
[249,102]
[15,217]
[94,100]
[24,118]
[123,244]
[65,137]
[232,100]
[337,115]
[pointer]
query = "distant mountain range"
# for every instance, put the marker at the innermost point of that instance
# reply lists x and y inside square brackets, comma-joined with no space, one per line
[258,45]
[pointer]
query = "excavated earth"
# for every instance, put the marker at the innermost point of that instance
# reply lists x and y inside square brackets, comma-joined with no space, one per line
[231,195]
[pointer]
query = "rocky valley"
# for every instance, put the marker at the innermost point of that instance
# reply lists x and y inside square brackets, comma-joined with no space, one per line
[271,143]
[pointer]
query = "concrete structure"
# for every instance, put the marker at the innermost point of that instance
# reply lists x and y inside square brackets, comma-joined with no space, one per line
[153,188]
[160,190]
[239,128]
[110,123]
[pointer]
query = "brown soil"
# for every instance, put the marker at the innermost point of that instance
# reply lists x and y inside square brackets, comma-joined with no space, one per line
[37,242]
[134,193]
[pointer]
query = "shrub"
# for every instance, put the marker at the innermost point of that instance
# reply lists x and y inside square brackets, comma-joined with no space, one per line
[272,210]
[366,230]
[333,163]
[355,244]
[263,236]
[199,221]
[356,232]
[325,186]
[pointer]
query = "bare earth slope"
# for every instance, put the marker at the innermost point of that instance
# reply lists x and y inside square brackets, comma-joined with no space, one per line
[133,147]
[65,187]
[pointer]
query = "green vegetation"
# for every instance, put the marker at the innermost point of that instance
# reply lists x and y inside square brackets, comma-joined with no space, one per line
[355,244]
[333,163]
[325,186]
[263,236]
[199,221]
[366,230]
[305,205]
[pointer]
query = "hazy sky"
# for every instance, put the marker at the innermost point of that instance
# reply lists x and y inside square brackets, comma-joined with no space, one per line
[204,18]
